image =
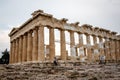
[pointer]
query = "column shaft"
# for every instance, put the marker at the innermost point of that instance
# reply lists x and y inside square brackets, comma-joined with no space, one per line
[80,37]
[119,49]
[89,54]
[101,46]
[15,50]
[35,45]
[29,47]
[95,55]
[94,39]
[107,48]
[13,56]
[72,45]
[72,39]
[81,48]
[115,54]
[10,52]
[24,55]
[41,54]
[63,45]
[20,51]
[111,49]
[52,43]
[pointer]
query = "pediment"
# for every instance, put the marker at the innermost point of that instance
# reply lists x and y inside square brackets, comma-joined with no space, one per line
[13,30]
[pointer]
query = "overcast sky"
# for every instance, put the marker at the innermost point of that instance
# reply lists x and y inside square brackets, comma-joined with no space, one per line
[100,13]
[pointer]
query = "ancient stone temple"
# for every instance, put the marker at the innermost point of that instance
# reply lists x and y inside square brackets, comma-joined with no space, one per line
[27,42]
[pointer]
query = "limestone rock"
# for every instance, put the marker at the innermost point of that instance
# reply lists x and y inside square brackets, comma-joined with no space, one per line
[72,74]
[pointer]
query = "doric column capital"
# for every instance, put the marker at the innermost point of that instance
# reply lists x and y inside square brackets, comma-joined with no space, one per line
[60,29]
[40,26]
[79,32]
[70,31]
[87,34]
[30,31]
[100,36]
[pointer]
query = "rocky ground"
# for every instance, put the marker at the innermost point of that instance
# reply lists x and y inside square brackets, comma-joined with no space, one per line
[34,71]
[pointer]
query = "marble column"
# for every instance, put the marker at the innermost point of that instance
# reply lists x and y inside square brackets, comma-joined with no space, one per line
[94,39]
[95,55]
[41,54]
[29,46]
[63,45]
[17,49]
[80,37]
[81,48]
[112,50]
[115,54]
[24,54]
[20,50]
[107,48]
[11,43]
[52,43]
[89,54]
[35,45]
[72,39]
[72,45]
[13,51]
[101,45]
[119,50]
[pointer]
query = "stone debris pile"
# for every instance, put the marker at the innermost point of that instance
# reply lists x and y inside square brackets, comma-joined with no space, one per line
[34,71]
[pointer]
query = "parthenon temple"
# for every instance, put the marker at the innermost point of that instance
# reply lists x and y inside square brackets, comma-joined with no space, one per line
[76,42]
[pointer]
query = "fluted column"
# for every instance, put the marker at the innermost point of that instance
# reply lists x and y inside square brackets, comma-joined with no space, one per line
[13,51]
[101,45]
[107,48]
[72,45]
[115,54]
[35,45]
[80,37]
[119,48]
[17,49]
[95,55]
[24,55]
[11,46]
[41,54]
[72,39]
[52,43]
[118,55]
[29,46]
[20,50]
[94,39]
[89,55]
[81,48]
[63,45]
[111,48]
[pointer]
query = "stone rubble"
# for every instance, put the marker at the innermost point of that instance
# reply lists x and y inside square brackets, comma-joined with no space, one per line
[34,71]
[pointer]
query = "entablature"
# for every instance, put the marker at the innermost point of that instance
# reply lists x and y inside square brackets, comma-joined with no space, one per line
[47,20]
